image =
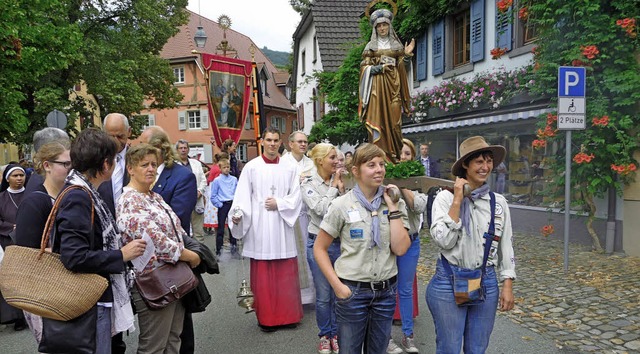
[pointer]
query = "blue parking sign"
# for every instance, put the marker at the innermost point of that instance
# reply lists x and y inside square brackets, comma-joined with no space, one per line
[572,81]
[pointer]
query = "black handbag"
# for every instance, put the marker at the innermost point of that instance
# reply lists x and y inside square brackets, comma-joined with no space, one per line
[76,336]
[198,299]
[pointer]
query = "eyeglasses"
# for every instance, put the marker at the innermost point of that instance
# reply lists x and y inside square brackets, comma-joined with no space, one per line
[302,142]
[66,164]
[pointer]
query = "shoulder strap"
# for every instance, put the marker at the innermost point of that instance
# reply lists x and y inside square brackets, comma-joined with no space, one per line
[490,235]
[54,212]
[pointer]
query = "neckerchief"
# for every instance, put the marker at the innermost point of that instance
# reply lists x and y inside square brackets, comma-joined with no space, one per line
[373,208]
[465,210]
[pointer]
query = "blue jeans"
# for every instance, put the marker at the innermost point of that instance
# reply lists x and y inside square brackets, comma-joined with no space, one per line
[364,320]
[325,297]
[454,323]
[406,273]
[103,331]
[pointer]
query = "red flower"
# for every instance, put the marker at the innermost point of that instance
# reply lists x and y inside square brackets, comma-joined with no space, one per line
[548,132]
[590,51]
[578,62]
[629,25]
[601,122]
[551,118]
[581,157]
[547,230]
[504,5]
[539,143]
[497,52]
[624,169]
[523,14]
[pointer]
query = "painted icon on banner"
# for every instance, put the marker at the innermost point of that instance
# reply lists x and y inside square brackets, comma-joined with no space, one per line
[227,99]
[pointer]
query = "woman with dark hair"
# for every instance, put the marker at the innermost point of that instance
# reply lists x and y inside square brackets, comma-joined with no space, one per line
[11,195]
[87,247]
[53,163]
[473,233]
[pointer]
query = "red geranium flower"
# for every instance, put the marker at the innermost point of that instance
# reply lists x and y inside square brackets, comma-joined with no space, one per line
[590,51]
[497,52]
[523,14]
[504,5]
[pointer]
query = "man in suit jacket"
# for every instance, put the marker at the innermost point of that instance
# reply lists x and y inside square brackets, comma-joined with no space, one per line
[175,183]
[429,163]
[197,215]
[116,125]
[177,186]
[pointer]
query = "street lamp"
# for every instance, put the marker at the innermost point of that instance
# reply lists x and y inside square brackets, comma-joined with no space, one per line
[200,37]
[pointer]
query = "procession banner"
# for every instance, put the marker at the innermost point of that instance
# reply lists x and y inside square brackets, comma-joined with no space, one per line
[229,94]
[259,118]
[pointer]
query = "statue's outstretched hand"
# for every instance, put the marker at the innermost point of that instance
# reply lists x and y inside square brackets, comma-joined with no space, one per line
[408,47]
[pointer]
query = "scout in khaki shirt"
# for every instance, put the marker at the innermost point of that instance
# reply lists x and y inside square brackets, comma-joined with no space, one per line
[372,228]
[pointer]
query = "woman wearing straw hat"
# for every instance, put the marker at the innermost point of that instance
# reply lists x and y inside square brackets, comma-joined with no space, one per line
[459,224]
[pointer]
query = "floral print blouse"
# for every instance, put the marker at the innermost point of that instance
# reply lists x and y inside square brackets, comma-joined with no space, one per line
[140,214]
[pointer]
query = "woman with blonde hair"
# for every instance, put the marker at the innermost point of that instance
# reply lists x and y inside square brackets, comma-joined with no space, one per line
[53,163]
[323,186]
[372,228]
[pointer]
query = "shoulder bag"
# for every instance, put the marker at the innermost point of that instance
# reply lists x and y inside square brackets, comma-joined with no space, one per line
[167,283]
[36,280]
[468,287]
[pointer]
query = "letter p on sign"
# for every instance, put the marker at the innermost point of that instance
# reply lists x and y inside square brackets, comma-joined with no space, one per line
[571,81]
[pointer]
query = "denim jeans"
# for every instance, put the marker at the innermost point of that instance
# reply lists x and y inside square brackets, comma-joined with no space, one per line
[223,212]
[364,320]
[454,323]
[406,272]
[103,331]
[325,297]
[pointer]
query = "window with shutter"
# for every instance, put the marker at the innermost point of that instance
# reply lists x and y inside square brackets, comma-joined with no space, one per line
[421,57]
[503,29]
[182,120]
[204,118]
[438,47]
[477,30]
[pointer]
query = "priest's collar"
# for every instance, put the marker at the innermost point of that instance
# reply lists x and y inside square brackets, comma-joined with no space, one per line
[267,160]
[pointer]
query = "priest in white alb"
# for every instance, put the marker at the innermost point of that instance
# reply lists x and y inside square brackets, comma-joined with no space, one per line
[264,211]
[298,145]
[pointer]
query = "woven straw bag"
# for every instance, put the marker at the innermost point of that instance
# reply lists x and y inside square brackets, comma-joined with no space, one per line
[36,280]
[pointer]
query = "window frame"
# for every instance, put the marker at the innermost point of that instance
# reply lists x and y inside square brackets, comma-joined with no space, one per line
[180,75]
[462,36]
[191,126]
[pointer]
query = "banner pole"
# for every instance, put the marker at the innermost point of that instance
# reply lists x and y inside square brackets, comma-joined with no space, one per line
[256,108]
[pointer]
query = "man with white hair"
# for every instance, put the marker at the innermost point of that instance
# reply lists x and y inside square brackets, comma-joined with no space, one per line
[298,146]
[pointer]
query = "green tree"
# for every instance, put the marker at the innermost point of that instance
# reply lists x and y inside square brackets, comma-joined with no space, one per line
[50,46]
[592,34]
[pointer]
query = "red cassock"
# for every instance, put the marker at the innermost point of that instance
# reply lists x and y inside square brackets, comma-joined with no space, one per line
[396,315]
[276,290]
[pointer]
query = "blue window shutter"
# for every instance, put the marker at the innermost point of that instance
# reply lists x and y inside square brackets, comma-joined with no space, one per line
[477,30]
[421,57]
[438,47]
[503,29]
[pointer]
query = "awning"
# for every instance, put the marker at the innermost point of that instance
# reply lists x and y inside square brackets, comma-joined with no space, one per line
[426,127]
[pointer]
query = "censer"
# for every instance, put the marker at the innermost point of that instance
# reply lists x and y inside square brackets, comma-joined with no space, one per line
[245,297]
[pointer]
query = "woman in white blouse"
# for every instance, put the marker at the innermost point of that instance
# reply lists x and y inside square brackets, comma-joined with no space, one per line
[458,227]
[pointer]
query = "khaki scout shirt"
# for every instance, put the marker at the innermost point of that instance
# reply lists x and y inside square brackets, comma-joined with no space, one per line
[467,251]
[415,212]
[317,195]
[351,222]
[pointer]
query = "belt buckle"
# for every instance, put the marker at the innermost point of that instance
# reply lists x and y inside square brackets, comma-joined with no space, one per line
[378,285]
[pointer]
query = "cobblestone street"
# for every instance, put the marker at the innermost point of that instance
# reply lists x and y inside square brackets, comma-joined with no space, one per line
[594,308]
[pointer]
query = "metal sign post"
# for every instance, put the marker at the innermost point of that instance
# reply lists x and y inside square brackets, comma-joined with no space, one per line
[571,116]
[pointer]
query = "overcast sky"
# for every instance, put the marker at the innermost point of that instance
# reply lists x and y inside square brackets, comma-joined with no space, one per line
[269,23]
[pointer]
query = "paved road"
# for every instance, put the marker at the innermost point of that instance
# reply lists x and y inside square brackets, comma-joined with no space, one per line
[225,328]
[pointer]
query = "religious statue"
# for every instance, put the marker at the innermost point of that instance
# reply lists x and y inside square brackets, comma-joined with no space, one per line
[384,85]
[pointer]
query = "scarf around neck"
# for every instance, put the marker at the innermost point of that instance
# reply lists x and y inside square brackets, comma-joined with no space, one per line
[371,207]
[465,211]
[121,283]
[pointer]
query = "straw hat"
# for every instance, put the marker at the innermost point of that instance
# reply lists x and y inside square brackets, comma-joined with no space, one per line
[475,144]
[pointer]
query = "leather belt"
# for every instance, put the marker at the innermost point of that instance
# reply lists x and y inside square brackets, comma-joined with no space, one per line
[374,285]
